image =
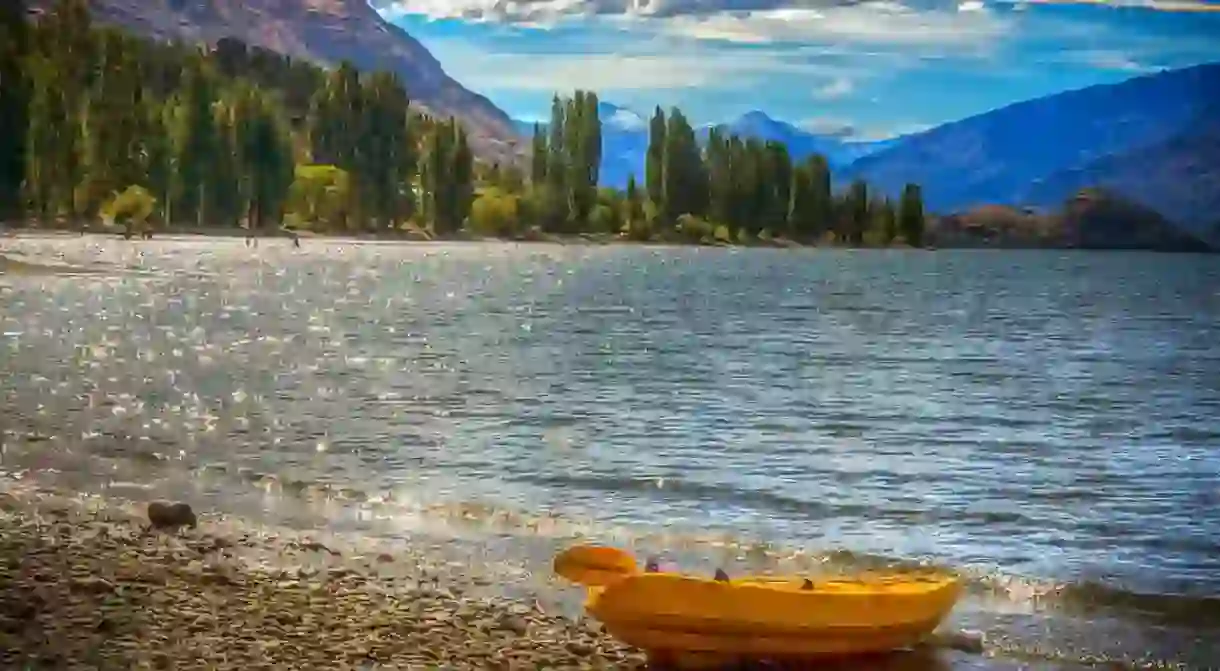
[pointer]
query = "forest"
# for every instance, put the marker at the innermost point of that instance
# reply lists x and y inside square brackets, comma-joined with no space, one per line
[104,127]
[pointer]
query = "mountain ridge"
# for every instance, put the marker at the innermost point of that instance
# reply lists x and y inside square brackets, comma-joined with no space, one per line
[1184,184]
[995,157]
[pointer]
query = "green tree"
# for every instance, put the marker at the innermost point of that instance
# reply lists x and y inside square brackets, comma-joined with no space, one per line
[447,178]
[718,156]
[335,118]
[654,167]
[114,118]
[582,155]
[263,151]
[911,221]
[556,165]
[685,178]
[777,172]
[385,158]
[462,171]
[67,39]
[883,224]
[198,146]
[14,106]
[214,137]
[539,156]
[157,150]
[631,207]
[436,181]
[822,197]
[855,213]
[58,64]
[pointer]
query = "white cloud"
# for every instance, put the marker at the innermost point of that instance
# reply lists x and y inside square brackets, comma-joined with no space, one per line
[1158,5]
[876,22]
[739,19]
[640,66]
[840,87]
[1109,60]
[760,21]
[848,130]
[830,127]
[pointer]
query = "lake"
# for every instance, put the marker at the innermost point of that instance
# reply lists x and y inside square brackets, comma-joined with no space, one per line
[1046,422]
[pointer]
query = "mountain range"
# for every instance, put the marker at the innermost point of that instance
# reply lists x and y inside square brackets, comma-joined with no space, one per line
[1154,139]
[625,141]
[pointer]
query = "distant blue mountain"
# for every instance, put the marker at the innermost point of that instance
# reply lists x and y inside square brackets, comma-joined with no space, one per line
[1039,152]
[1179,178]
[839,151]
[625,141]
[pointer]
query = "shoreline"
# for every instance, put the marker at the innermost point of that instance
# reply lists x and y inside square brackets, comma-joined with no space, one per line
[85,584]
[566,240]
[82,583]
[406,237]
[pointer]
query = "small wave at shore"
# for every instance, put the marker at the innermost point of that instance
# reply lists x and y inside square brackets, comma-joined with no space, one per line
[15,266]
[398,512]
[484,575]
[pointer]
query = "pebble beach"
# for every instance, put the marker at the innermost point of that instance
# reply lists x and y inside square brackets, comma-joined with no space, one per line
[84,584]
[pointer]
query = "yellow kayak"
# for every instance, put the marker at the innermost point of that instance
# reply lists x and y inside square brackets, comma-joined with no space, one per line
[762,616]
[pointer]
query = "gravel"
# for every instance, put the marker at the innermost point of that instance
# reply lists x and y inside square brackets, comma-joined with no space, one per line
[87,585]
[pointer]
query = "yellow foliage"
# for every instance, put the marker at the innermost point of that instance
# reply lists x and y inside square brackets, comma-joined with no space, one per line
[603,219]
[320,197]
[133,206]
[694,229]
[495,213]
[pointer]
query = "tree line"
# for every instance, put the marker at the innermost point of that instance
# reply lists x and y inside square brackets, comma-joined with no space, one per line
[101,125]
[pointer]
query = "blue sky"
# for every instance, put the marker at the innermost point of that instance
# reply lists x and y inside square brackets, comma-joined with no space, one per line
[869,69]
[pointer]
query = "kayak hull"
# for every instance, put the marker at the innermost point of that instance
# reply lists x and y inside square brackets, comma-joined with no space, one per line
[772,618]
[811,643]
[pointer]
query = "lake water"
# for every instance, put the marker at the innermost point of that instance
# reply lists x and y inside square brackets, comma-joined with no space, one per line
[1048,423]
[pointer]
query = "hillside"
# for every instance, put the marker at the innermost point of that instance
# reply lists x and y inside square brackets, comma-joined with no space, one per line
[996,156]
[1091,219]
[1180,177]
[326,31]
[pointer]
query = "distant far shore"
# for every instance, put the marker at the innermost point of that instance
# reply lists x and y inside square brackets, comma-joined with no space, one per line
[952,239]
[403,236]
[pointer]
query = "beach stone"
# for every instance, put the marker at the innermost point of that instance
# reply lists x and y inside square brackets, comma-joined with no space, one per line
[973,642]
[515,624]
[169,516]
[579,648]
[92,584]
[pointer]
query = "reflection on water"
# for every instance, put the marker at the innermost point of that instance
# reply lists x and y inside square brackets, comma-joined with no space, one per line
[1043,421]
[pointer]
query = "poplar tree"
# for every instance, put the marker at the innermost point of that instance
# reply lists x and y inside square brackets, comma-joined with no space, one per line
[654,168]
[14,106]
[911,215]
[538,157]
